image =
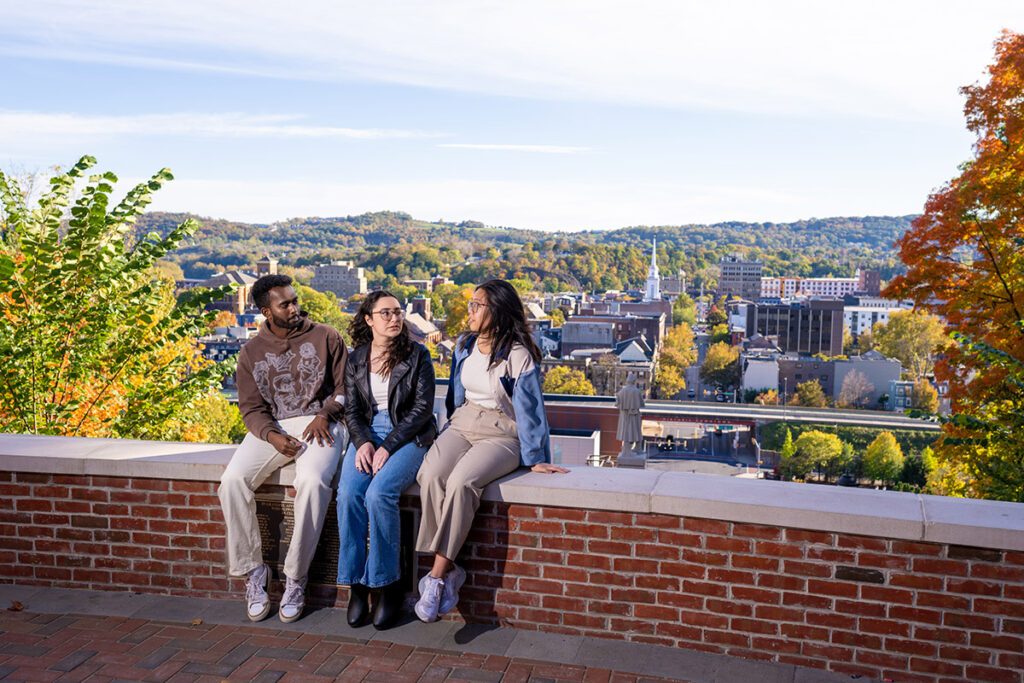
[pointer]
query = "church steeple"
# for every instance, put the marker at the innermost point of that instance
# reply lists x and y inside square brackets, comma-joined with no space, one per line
[653,290]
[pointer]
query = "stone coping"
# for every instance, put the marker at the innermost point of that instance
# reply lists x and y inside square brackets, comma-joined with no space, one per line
[885,514]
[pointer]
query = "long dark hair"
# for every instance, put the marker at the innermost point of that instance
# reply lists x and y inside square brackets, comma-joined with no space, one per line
[399,348]
[507,324]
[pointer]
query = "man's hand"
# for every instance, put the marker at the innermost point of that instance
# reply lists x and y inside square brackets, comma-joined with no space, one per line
[364,457]
[285,444]
[380,457]
[319,429]
[548,468]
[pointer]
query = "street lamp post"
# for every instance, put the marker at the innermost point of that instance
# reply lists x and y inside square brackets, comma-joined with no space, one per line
[785,390]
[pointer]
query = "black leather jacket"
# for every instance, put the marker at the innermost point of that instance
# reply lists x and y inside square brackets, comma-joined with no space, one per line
[410,400]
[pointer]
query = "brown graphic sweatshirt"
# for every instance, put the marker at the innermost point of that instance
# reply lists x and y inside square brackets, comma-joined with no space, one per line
[301,374]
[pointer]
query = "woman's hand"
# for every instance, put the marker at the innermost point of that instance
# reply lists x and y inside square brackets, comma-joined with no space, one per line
[364,457]
[379,458]
[548,468]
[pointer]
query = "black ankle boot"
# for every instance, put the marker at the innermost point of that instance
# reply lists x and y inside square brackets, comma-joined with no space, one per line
[358,604]
[389,605]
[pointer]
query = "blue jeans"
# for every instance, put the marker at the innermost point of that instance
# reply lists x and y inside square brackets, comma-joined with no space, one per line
[368,512]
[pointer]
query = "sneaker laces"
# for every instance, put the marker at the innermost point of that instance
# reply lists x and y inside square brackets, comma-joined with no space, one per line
[254,591]
[432,591]
[294,592]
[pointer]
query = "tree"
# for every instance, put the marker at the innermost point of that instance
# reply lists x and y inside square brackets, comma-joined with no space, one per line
[820,451]
[322,307]
[856,389]
[964,263]
[679,339]
[684,310]
[721,366]
[458,312]
[668,381]
[715,317]
[917,467]
[719,333]
[883,459]
[865,342]
[223,319]
[93,344]
[769,397]
[924,397]
[557,317]
[912,338]
[788,449]
[563,380]
[809,394]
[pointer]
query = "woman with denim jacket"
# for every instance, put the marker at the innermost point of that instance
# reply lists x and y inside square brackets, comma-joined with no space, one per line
[496,423]
[389,411]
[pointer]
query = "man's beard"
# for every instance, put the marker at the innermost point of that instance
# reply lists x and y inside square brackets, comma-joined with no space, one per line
[285,323]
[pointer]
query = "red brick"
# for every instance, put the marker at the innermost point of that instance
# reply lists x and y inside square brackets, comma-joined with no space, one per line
[774,645]
[53,573]
[943,601]
[518,511]
[976,672]
[833,653]
[804,632]
[807,536]
[725,544]
[775,613]
[656,612]
[731,576]
[634,565]
[864,609]
[704,557]
[150,511]
[861,543]
[630,626]
[562,543]
[937,667]
[611,578]
[539,526]
[782,582]
[927,565]
[974,621]
[583,620]
[609,608]
[688,633]
[169,554]
[831,555]
[633,595]
[563,604]
[737,609]
[151,484]
[883,561]
[27,531]
[883,594]
[91,548]
[910,647]
[941,635]
[661,552]
[605,517]
[191,514]
[706,526]
[193,486]
[727,638]
[541,556]
[48,519]
[202,500]
[633,534]
[831,620]
[1014,592]
[127,496]
[33,505]
[566,514]
[91,575]
[587,591]
[682,600]
[882,659]
[50,491]
[658,521]
[566,574]
[994,642]
[753,626]
[113,563]
[661,583]
[839,589]
[857,639]
[915,614]
[756,531]
[757,563]
[805,600]
[885,627]
[705,588]
[586,530]
[928,583]
[32,478]
[610,548]
[759,595]
[997,607]
[1011,661]
[674,538]
[965,654]
[997,572]
[807,568]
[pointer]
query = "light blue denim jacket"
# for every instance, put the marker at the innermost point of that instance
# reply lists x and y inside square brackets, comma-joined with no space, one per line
[515,383]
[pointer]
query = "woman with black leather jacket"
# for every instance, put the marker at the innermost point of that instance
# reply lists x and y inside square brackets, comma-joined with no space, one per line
[389,411]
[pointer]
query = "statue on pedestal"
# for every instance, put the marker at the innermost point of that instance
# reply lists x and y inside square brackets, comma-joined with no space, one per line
[629,401]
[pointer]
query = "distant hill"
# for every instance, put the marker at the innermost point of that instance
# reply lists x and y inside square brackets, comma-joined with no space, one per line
[395,243]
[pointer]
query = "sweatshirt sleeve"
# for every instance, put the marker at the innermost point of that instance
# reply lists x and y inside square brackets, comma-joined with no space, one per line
[528,403]
[337,352]
[256,413]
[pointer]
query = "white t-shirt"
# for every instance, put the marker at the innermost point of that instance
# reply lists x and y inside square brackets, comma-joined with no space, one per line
[476,379]
[379,389]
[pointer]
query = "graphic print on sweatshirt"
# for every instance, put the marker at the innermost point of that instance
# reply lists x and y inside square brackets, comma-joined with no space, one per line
[276,379]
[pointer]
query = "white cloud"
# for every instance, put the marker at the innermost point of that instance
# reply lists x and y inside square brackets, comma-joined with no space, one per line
[902,60]
[16,126]
[543,149]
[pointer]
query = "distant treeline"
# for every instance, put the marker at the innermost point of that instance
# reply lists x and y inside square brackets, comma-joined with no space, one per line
[394,243]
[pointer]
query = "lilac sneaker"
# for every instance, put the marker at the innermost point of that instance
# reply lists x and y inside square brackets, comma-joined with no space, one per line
[453,581]
[430,598]
[258,603]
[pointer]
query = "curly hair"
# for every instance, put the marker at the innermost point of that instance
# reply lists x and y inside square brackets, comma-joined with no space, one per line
[507,325]
[399,348]
[260,291]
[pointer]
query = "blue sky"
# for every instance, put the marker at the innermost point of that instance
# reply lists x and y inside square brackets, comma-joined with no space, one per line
[549,115]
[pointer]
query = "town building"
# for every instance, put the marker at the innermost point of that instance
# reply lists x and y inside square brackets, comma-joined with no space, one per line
[421,329]
[236,301]
[673,285]
[804,327]
[739,277]
[652,291]
[339,277]
[266,266]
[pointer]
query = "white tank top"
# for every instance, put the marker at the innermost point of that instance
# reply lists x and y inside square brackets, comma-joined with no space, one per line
[379,389]
[476,379]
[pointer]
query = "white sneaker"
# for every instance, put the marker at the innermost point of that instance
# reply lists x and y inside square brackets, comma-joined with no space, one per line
[256,593]
[293,600]
[453,581]
[430,598]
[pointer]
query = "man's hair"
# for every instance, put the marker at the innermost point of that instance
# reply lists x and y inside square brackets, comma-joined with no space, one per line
[261,289]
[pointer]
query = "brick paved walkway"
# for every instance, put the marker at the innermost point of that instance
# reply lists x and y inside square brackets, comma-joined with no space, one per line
[49,647]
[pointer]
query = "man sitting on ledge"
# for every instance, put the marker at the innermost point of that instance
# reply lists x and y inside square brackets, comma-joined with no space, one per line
[290,384]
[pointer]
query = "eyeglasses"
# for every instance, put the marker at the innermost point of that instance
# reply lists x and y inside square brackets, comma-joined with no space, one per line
[474,306]
[388,314]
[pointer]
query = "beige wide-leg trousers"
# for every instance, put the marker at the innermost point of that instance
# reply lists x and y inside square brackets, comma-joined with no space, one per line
[478,446]
[251,464]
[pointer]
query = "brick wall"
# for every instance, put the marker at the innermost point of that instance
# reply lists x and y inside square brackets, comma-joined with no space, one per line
[884,608]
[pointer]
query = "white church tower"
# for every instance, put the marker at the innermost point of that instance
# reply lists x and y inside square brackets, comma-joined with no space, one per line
[653,290]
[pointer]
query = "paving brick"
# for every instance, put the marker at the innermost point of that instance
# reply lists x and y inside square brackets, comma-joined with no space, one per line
[73,660]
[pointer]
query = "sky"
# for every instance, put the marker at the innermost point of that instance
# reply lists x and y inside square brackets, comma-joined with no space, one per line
[552,115]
